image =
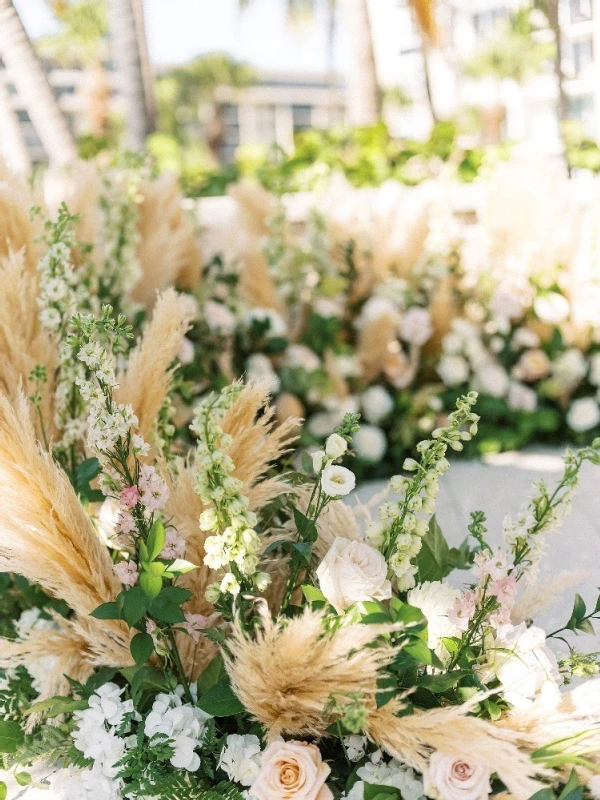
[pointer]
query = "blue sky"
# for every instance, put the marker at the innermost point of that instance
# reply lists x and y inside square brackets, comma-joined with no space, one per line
[178,30]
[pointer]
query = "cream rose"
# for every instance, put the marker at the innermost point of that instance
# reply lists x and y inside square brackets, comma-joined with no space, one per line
[451,778]
[352,572]
[291,769]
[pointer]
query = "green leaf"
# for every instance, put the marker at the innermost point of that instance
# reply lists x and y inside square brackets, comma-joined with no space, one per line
[442,683]
[135,605]
[55,706]
[306,527]
[306,462]
[3,791]
[215,673]
[175,594]
[403,612]
[433,559]
[106,611]
[586,626]
[141,648]
[312,594]
[180,566]
[156,569]
[166,611]
[417,649]
[149,679]
[572,788]
[543,794]
[156,540]
[220,701]
[304,549]
[150,584]
[86,472]
[11,736]
[23,778]
[373,792]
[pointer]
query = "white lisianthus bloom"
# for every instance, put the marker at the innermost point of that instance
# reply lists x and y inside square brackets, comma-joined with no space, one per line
[453,370]
[337,481]
[219,318]
[353,572]
[376,403]
[492,379]
[551,307]
[335,446]
[524,665]
[277,324]
[416,326]
[584,414]
[240,758]
[452,778]
[436,600]
[370,443]
[260,370]
[300,356]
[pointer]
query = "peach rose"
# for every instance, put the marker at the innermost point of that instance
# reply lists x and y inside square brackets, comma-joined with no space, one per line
[451,778]
[291,769]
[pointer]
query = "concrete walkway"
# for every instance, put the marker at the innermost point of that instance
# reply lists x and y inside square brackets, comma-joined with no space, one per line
[500,486]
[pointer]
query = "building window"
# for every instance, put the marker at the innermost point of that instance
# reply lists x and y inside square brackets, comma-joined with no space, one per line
[231,140]
[484,22]
[582,54]
[580,10]
[582,108]
[301,117]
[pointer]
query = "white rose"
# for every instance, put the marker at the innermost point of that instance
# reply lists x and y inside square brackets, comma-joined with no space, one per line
[291,770]
[551,307]
[453,370]
[451,778]
[260,370]
[219,318]
[335,446]
[415,326]
[521,398]
[370,443]
[298,355]
[240,758]
[492,379]
[337,481]
[376,403]
[353,572]
[584,414]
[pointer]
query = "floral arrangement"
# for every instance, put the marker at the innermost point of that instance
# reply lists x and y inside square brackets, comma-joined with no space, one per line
[387,304]
[218,628]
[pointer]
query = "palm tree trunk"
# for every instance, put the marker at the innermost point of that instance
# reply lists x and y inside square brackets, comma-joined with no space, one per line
[33,87]
[130,77]
[12,141]
[364,105]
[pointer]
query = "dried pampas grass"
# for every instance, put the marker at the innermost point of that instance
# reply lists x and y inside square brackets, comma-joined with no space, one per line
[47,537]
[23,342]
[17,230]
[148,377]
[168,252]
[411,738]
[286,676]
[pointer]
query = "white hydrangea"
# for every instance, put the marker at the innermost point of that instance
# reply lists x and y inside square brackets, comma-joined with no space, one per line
[240,758]
[393,773]
[219,318]
[569,369]
[521,397]
[584,414]
[416,326]
[38,668]
[376,403]
[300,356]
[85,784]
[182,723]
[436,599]
[492,379]
[356,746]
[453,370]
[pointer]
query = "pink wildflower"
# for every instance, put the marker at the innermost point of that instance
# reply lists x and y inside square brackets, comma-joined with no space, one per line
[129,497]
[127,572]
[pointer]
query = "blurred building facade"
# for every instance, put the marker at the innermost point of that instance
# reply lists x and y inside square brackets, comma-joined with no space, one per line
[531,107]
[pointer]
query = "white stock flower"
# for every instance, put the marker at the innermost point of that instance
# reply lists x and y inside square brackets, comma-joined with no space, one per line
[492,379]
[370,443]
[584,414]
[453,370]
[452,778]
[353,572]
[416,326]
[337,481]
[240,758]
[436,599]
[376,403]
[219,318]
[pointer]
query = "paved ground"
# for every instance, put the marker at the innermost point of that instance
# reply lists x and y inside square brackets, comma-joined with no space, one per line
[500,486]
